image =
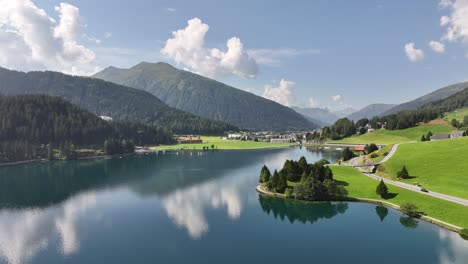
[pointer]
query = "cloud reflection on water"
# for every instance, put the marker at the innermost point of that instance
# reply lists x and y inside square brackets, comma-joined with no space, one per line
[25,232]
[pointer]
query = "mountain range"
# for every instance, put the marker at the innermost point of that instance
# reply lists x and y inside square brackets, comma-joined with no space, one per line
[370,111]
[108,99]
[208,98]
[322,116]
[437,95]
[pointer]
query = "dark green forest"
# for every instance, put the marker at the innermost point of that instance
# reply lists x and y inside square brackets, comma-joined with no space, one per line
[32,126]
[312,182]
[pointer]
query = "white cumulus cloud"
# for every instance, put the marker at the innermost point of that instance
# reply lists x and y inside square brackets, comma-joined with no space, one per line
[313,103]
[186,47]
[31,39]
[412,53]
[457,22]
[282,94]
[437,46]
[444,20]
[445,3]
[274,57]
[337,97]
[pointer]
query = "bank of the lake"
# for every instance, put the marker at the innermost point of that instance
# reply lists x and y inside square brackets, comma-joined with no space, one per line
[362,189]
[224,144]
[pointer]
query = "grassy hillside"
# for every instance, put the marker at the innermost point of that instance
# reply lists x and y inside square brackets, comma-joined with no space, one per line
[108,99]
[361,186]
[207,98]
[223,144]
[458,114]
[440,166]
[398,136]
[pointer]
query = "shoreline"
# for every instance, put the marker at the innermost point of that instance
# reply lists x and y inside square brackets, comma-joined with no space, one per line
[24,162]
[426,218]
[230,149]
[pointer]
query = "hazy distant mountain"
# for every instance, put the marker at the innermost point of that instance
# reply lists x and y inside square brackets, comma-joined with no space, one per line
[323,115]
[344,112]
[208,98]
[370,111]
[428,98]
[107,99]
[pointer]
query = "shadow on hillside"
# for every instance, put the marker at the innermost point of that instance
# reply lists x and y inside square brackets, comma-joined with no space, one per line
[390,196]
[342,183]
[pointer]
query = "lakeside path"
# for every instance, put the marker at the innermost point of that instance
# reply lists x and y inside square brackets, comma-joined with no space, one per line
[354,162]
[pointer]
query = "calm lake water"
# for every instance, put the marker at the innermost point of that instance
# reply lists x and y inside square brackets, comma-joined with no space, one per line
[197,209]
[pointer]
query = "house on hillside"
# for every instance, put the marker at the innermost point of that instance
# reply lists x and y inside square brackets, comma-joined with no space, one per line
[440,137]
[456,134]
[360,148]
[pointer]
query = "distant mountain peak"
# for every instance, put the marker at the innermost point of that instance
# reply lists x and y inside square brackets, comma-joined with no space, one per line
[370,111]
[208,98]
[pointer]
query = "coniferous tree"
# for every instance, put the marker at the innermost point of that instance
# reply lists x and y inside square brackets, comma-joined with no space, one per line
[382,189]
[403,174]
[264,174]
[347,154]
[273,182]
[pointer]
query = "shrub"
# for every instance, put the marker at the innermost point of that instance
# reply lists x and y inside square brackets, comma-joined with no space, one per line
[373,155]
[409,209]
[289,192]
[464,233]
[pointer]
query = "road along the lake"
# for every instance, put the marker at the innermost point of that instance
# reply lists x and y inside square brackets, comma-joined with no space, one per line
[354,163]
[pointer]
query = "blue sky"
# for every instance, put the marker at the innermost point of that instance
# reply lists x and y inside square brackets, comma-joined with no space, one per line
[353,51]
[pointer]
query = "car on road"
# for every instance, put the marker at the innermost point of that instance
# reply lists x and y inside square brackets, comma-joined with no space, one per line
[424,190]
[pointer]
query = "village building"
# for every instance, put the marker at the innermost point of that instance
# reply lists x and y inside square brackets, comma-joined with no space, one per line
[280,140]
[440,137]
[360,148]
[234,136]
[457,134]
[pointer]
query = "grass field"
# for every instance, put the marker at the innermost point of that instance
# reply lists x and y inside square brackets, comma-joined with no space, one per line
[398,136]
[381,153]
[219,143]
[441,166]
[360,186]
[458,114]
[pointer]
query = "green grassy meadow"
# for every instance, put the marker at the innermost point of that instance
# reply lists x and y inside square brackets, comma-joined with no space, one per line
[441,166]
[397,136]
[219,143]
[360,186]
[458,114]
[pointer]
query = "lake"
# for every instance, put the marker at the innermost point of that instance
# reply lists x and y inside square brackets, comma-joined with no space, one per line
[192,208]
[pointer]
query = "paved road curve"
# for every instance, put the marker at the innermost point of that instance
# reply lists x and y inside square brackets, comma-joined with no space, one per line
[453,199]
